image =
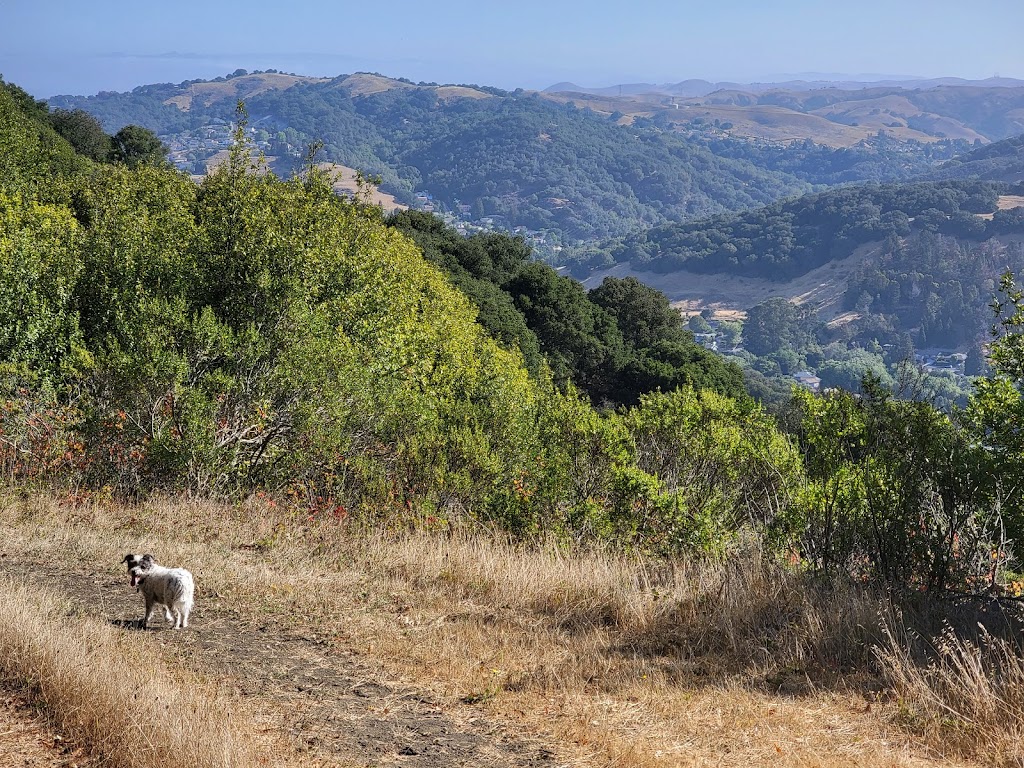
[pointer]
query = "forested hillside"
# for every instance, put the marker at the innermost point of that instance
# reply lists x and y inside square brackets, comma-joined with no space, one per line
[880,272]
[1000,161]
[515,156]
[789,238]
[616,342]
[251,334]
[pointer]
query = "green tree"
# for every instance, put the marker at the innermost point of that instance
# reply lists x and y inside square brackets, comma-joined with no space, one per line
[83,132]
[643,314]
[698,324]
[847,372]
[134,145]
[890,494]
[769,326]
[996,409]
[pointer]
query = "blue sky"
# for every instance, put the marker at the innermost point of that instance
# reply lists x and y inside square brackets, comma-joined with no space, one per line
[69,46]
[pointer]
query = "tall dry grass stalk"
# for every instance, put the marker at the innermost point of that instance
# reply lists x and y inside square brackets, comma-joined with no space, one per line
[968,698]
[748,611]
[111,693]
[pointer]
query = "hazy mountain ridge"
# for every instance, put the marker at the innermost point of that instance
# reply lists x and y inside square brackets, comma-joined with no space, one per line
[832,116]
[698,87]
[508,159]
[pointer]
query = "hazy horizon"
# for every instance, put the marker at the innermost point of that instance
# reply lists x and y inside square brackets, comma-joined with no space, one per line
[84,49]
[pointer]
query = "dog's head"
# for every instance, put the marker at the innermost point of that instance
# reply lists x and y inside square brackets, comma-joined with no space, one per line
[138,565]
[137,561]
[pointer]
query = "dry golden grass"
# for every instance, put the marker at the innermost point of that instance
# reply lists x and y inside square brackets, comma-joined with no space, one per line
[107,690]
[1004,203]
[971,693]
[623,661]
[345,181]
[27,740]
[244,87]
[366,84]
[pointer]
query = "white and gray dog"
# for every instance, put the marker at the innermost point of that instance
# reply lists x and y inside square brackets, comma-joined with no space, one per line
[172,588]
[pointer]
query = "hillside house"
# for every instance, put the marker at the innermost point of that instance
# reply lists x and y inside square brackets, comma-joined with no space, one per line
[807,380]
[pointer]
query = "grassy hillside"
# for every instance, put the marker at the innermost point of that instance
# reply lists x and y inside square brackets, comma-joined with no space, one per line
[832,115]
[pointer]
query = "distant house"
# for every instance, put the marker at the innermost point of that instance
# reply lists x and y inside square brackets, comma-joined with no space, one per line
[807,380]
[940,361]
[707,340]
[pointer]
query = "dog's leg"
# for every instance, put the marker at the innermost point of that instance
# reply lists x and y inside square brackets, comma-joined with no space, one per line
[150,605]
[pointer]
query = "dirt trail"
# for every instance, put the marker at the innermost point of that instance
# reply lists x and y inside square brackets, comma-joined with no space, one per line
[333,707]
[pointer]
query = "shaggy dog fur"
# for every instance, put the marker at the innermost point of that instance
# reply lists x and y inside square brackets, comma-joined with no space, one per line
[172,588]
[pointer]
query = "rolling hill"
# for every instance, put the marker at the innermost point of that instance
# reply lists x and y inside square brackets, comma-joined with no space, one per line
[883,261]
[832,116]
[567,168]
[500,159]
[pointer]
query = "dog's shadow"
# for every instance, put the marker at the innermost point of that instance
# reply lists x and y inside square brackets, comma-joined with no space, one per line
[135,624]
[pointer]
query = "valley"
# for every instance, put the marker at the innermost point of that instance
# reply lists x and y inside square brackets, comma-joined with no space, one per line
[728,296]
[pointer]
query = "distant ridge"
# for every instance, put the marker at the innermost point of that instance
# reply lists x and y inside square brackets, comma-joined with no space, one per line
[695,87]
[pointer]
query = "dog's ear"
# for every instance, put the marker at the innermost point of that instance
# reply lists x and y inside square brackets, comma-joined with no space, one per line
[128,558]
[147,560]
